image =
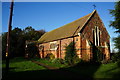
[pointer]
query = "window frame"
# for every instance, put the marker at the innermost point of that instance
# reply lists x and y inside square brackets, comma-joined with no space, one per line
[55,45]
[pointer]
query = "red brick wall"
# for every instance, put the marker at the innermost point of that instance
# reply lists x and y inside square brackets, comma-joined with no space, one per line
[86,34]
[62,44]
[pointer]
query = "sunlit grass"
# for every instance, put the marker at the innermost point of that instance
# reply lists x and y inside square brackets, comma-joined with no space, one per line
[50,63]
[21,64]
[110,70]
[107,71]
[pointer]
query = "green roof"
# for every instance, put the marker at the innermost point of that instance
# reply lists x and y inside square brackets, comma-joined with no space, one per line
[68,30]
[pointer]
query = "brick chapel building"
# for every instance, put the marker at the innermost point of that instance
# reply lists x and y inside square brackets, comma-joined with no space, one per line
[87,31]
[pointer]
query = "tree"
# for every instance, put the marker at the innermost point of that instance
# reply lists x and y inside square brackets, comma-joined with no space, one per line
[38,34]
[32,50]
[4,42]
[71,56]
[32,34]
[116,24]
[28,33]
[17,40]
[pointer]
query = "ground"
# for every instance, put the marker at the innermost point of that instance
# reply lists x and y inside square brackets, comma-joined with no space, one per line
[21,68]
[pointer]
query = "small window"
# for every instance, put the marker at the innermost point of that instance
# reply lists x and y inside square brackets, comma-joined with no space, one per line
[53,46]
[41,47]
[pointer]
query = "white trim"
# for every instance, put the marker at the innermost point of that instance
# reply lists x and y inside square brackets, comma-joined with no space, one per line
[95,36]
[54,42]
[106,44]
[87,44]
[79,34]
[98,36]
[87,19]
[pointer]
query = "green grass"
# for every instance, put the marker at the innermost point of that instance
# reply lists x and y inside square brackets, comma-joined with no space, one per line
[108,71]
[21,64]
[25,68]
[50,63]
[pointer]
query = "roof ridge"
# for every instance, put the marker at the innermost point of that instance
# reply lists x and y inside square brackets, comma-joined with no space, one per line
[70,22]
[87,19]
[66,30]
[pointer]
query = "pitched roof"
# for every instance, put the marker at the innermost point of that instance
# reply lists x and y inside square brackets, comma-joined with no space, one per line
[67,30]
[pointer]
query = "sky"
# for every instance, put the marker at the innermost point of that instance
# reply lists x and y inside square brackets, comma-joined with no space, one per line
[51,15]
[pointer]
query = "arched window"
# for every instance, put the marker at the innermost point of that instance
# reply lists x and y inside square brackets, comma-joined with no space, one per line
[96,36]
[93,36]
[41,47]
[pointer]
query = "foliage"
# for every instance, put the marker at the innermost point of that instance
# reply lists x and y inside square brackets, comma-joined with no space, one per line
[99,55]
[32,50]
[117,43]
[58,60]
[116,14]
[4,38]
[71,56]
[31,34]
[16,43]
[50,56]
[116,24]
[52,63]
[115,57]
[17,40]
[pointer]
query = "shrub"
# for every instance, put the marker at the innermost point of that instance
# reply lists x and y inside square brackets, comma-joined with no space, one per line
[71,56]
[50,56]
[76,59]
[32,50]
[115,57]
[97,54]
[58,60]
[118,63]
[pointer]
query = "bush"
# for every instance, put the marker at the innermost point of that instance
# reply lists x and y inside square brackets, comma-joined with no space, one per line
[115,57]
[118,63]
[76,59]
[58,60]
[97,54]
[50,56]
[32,50]
[71,56]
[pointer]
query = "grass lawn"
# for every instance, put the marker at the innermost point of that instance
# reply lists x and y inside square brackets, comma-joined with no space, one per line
[21,68]
[21,64]
[110,70]
[50,63]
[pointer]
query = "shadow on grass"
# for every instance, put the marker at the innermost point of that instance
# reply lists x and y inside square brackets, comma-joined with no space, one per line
[117,74]
[16,60]
[79,71]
